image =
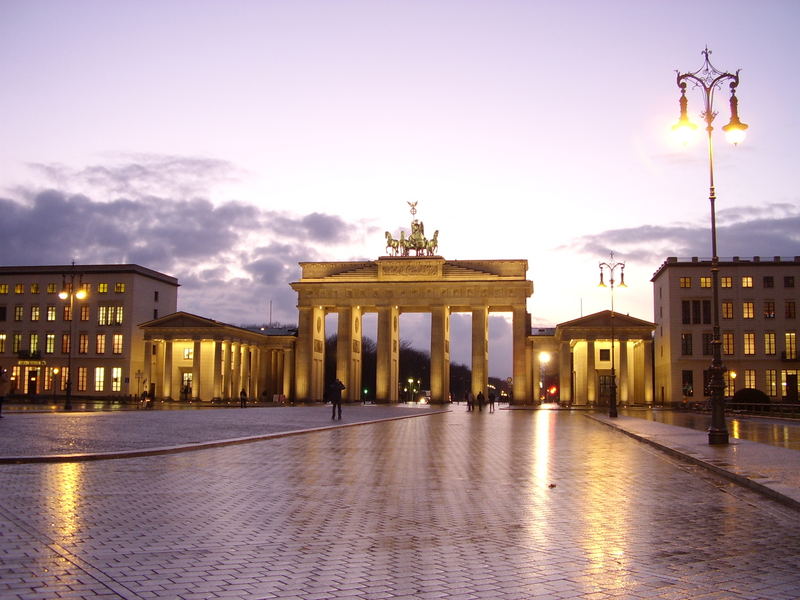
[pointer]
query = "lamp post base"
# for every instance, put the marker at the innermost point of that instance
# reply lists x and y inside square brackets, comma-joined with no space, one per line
[717,437]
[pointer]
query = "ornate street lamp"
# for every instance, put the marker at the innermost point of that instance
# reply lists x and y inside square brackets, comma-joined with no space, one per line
[612,266]
[69,292]
[709,79]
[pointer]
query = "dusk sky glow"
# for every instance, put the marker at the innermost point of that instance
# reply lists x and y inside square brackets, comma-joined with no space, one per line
[224,142]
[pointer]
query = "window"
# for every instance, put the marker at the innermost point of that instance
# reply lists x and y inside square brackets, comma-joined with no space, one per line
[686,344]
[19,312]
[747,281]
[109,315]
[19,288]
[67,312]
[2,342]
[686,312]
[686,282]
[728,346]
[726,282]
[51,312]
[605,354]
[696,311]
[34,288]
[772,382]
[3,289]
[788,281]
[188,354]
[786,382]
[117,344]
[155,314]
[119,287]
[155,296]
[100,343]
[35,312]
[83,343]
[769,281]
[99,379]
[116,379]
[52,288]
[118,316]
[749,343]
[750,378]
[769,309]
[16,344]
[790,342]
[65,343]
[687,383]
[727,310]
[85,312]
[50,343]
[708,344]
[33,343]
[790,309]
[729,384]
[769,342]
[102,288]
[707,312]
[83,374]
[748,310]
[705,282]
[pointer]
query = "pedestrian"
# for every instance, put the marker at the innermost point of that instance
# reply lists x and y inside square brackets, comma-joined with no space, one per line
[5,388]
[491,402]
[481,401]
[470,401]
[242,399]
[335,397]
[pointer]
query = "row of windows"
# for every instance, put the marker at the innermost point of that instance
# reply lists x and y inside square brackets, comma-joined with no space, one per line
[53,288]
[699,311]
[17,343]
[106,315]
[54,377]
[748,342]
[746,281]
[770,384]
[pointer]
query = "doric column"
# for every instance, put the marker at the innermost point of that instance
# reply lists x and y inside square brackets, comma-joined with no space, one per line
[624,392]
[255,372]
[440,354]
[148,364]
[236,369]
[348,352]
[648,372]
[565,372]
[227,387]
[591,374]
[167,389]
[286,364]
[520,329]
[480,350]
[536,374]
[310,357]
[217,368]
[388,368]
[247,357]
[197,354]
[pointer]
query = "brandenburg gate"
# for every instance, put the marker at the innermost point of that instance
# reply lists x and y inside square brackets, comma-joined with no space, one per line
[411,280]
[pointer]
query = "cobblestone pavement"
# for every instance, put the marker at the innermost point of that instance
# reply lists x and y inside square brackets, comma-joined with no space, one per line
[510,505]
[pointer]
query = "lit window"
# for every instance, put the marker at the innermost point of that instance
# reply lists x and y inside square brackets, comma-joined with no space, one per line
[747,281]
[705,282]
[117,344]
[730,383]
[16,345]
[750,378]
[50,343]
[790,342]
[772,382]
[748,310]
[83,375]
[34,288]
[33,343]
[102,288]
[51,312]
[2,342]
[686,282]
[83,343]
[3,289]
[118,316]
[52,288]
[727,344]
[67,312]
[34,312]
[19,288]
[188,354]
[749,343]
[65,343]
[727,310]
[19,312]
[790,309]
[85,312]
[726,282]
[769,342]
[116,379]
[99,379]
[100,343]
[119,287]
[769,309]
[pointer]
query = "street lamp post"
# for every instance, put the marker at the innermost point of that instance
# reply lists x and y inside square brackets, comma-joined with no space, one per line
[68,292]
[612,266]
[709,80]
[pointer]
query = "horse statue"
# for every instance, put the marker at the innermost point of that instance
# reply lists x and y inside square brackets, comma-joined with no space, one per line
[392,245]
[432,245]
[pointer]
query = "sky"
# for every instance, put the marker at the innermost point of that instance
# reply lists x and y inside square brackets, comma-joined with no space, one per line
[225,142]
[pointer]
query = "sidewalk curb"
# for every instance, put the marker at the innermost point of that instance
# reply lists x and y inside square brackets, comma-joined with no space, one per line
[86,457]
[741,479]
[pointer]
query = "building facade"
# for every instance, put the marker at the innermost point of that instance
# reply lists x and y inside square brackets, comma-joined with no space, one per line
[42,335]
[758,327]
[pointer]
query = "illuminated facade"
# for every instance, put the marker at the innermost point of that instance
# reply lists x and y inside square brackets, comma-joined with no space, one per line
[37,328]
[758,327]
[393,285]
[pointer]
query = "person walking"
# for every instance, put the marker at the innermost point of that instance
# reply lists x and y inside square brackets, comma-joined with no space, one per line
[481,401]
[242,399]
[470,402]
[336,398]
[491,402]
[5,388]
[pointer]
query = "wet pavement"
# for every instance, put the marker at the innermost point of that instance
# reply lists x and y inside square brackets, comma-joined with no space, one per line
[513,505]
